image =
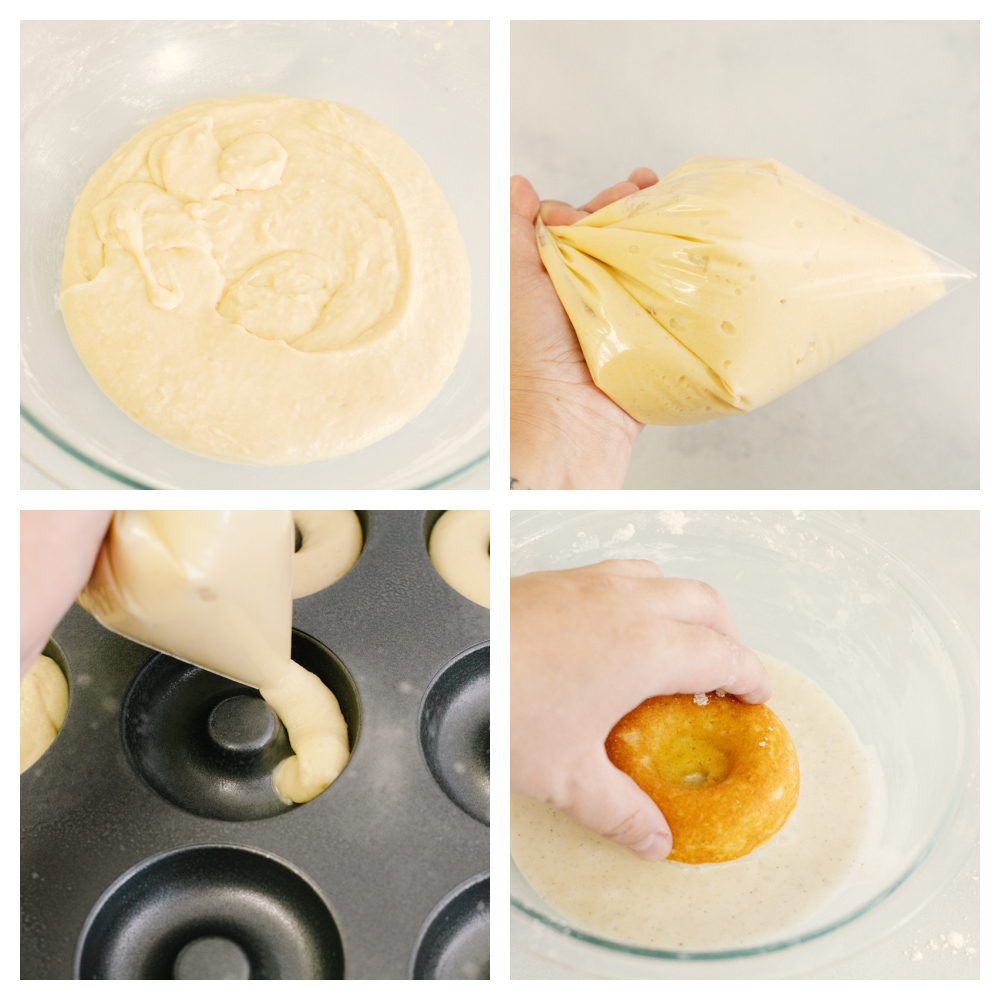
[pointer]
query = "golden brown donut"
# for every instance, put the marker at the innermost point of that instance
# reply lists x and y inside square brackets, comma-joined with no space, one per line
[724,774]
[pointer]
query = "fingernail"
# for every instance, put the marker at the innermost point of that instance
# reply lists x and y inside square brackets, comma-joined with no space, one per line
[655,847]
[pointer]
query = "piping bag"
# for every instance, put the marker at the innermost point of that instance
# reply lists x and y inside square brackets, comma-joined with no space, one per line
[728,283]
[214,588]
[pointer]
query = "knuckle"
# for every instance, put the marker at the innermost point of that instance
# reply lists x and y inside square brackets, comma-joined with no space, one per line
[630,830]
[610,565]
[649,565]
[645,635]
[710,592]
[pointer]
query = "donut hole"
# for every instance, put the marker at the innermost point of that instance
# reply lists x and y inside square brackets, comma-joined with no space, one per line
[691,762]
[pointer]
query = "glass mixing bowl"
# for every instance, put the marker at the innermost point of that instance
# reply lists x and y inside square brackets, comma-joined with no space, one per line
[814,592]
[88,86]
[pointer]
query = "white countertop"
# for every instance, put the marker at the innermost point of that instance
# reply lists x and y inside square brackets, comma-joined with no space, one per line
[942,546]
[884,114]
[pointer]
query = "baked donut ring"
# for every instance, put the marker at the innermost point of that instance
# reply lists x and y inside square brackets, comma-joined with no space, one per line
[459,548]
[331,544]
[724,774]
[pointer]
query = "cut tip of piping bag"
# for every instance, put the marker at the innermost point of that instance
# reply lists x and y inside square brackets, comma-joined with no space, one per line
[952,275]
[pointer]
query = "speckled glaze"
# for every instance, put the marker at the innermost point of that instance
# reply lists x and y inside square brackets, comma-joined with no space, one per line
[606,890]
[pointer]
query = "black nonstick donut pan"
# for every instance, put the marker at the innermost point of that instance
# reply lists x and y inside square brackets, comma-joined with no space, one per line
[153,847]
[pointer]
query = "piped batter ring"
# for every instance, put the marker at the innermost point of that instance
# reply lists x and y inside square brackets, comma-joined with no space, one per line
[209,744]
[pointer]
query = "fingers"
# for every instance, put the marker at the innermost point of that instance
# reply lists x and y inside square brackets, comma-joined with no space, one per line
[756,688]
[524,260]
[626,567]
[616,807]
[58,549]
[689,601]
[614,193]
[643,178]
[640,178]
[559,213]
[694,603]
[690,659]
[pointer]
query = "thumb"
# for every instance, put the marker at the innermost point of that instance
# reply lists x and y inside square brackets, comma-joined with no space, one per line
[523,199]
[524,259]
[612,804]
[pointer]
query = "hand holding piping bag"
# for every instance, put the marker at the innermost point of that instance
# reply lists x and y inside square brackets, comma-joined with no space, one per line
[565,432]
[58,550]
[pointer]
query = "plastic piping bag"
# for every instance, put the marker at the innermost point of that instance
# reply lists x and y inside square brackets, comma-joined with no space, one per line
[727,284]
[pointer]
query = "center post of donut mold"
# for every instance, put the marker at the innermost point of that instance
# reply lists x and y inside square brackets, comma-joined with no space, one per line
[690,762]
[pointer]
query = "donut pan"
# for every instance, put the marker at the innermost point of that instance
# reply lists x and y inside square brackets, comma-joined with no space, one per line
[152,846]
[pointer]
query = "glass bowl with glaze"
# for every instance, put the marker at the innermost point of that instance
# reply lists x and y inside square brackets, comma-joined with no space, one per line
[88,86]
[814,592]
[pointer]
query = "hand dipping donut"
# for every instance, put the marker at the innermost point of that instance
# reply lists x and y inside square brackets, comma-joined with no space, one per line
[588,645]
[724,774]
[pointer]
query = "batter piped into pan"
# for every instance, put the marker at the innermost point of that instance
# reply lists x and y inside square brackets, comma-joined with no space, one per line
[215,588]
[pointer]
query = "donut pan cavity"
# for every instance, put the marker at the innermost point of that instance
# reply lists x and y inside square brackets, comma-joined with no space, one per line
[153,848]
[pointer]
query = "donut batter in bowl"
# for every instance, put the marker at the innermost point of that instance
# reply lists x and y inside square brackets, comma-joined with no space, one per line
[266,279]
[605,890]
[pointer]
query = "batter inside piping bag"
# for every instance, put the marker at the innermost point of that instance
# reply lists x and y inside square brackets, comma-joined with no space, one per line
[728,283]
[215,588]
